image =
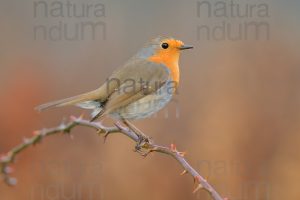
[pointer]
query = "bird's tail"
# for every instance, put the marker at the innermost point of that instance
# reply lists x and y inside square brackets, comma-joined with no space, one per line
[89,96]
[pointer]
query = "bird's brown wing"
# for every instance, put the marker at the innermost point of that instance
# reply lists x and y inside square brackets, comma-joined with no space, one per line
[133,71]
[142,78]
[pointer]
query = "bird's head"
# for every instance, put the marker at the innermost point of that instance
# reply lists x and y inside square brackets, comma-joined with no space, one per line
[163,48]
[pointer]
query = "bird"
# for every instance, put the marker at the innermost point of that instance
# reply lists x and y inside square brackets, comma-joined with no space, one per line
[139,88]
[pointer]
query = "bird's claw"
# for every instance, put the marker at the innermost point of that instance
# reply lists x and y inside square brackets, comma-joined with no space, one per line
[142,145]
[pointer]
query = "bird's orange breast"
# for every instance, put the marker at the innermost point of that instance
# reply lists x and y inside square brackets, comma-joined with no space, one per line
[170,60]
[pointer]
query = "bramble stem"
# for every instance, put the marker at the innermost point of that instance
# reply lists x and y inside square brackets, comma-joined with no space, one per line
[146,147]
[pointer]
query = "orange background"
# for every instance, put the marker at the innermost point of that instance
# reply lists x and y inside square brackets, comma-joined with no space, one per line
[238,104]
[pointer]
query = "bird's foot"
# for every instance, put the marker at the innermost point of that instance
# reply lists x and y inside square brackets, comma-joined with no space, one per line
[143,145]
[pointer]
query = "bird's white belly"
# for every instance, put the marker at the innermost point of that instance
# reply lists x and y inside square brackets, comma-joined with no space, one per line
[147,105]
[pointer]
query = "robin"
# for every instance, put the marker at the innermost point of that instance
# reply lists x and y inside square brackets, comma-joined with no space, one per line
[141,87]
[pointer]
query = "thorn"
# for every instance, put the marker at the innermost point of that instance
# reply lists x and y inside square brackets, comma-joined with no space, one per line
[11,181]
[182,154]
[73,118]
[99,131]
[62,126]
[198,188]
[8,170]
[81,116]
[197,179]
[105,136]
[173,147]
[145,154]
[43,132]
[26,140]
[4,158]
[37,132]
[71,136]
[184,172]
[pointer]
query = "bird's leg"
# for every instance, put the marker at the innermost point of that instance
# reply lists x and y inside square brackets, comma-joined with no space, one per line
[134,128]
[143,139]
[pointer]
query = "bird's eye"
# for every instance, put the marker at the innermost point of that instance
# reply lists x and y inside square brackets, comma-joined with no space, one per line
[164,45]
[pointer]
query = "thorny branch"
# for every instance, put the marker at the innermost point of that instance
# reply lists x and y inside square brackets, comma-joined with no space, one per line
[144,148]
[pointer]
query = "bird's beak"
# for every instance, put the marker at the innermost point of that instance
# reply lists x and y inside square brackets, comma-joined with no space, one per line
[183,47]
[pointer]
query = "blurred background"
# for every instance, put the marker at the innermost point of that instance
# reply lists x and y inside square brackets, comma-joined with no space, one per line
[237,112]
